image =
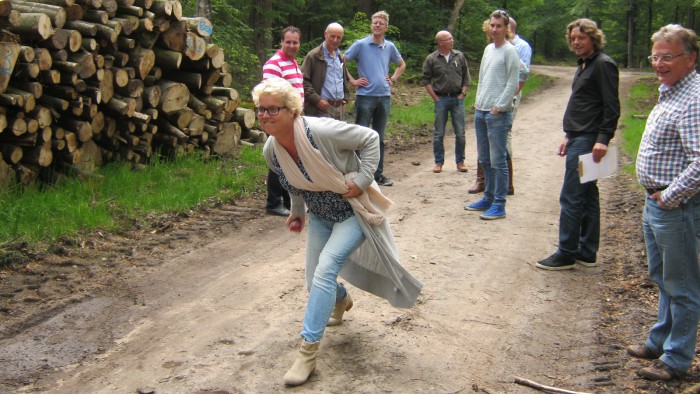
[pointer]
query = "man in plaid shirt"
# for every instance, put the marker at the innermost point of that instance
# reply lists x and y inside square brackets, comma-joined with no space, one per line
[668,167]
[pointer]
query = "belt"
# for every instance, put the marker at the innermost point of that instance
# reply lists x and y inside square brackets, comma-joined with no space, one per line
[652,190]
[449,94]
[335,103]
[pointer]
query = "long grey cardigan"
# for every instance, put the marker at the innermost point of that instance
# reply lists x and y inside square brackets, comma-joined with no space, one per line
[374,266]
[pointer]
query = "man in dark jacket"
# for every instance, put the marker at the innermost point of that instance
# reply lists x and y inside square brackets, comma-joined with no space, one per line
[325,79]
[590,121]
[446,79]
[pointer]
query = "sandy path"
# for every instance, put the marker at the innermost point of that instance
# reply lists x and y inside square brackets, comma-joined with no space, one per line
[225,317]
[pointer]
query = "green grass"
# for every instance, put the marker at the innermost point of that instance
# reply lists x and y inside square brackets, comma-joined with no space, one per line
[422,114]
[120,195]
[641,100]
[534,83]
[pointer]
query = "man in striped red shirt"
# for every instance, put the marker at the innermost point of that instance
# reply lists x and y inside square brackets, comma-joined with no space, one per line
[283,64]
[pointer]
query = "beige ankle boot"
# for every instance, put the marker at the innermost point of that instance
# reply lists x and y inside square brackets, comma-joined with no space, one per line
[341,307]
[304,365]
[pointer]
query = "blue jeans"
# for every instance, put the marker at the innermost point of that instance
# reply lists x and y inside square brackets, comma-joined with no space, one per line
[671,237]
[443,107]
[579,218]
[328,247]
[491,139]
[374,110]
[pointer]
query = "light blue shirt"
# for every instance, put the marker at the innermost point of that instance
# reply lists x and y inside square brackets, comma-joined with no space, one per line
[373,63]
[524,50]
[333,84]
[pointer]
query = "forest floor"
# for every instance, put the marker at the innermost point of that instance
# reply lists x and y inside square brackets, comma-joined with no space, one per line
[212,301]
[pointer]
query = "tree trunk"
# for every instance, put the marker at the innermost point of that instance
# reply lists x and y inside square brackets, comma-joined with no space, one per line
[454,16]
[9,51]
[174,96]
[631,16]
[262,26]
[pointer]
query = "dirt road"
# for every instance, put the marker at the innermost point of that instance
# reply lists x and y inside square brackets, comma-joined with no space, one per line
[224,315]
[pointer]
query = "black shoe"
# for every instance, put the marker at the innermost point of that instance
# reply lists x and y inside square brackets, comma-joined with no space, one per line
[384,181]
[279,210]
[556,262]
[585,261]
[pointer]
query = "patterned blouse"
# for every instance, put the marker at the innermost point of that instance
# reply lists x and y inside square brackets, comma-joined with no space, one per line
[326,205]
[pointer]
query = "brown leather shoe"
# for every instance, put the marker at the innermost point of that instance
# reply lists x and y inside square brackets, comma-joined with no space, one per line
[461,167]
[438,168]
[511,189]
[641,351]
[480,185]
[659,371]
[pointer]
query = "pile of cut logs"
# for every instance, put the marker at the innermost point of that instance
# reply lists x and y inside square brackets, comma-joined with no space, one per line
[85,82]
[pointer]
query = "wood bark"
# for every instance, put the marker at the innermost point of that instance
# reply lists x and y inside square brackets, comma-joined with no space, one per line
[99,80]
[9,51]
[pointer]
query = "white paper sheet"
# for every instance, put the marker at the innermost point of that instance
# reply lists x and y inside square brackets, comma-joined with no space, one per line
[590,171]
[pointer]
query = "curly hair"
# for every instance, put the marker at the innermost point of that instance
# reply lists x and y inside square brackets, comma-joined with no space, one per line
[281,88]
[589,27]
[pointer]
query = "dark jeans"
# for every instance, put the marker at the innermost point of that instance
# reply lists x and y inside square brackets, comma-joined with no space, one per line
[276,195]
[579,220]
[374,111]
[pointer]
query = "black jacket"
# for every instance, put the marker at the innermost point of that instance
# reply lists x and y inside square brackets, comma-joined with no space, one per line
[594,105]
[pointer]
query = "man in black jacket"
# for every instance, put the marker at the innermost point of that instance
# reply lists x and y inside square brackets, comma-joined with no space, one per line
[590,121]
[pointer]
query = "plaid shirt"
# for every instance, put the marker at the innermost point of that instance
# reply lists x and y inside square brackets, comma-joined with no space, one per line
[669,154]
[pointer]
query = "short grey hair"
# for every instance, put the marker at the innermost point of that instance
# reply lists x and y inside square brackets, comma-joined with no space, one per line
[281,88]
[334,26]
[686,37]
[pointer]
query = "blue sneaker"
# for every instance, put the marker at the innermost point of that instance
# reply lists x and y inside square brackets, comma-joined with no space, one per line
[494,212]
[480,205]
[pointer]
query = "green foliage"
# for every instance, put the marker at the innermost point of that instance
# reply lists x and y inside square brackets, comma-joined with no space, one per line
[642,98]
[32,214]
[232,33]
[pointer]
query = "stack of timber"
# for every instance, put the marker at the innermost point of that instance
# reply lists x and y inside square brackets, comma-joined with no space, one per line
[84,82]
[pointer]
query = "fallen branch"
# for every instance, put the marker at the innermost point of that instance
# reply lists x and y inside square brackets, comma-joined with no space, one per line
[535,385]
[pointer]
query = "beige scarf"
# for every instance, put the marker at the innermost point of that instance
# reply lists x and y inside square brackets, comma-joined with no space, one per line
[371,205]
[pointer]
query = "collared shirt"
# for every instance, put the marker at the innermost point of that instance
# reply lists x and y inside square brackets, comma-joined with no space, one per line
[594,106]
[446,74]
[373,63]
[524,50]
[333,84]
[669,154]
[281,66]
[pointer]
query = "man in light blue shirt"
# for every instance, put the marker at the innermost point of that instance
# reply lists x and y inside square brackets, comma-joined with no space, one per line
[325,78]
[373,99]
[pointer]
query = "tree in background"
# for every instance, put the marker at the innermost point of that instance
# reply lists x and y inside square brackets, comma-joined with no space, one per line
[249,31]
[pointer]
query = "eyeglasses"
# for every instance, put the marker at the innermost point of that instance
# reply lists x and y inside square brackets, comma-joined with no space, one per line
[663,58]
[272,111]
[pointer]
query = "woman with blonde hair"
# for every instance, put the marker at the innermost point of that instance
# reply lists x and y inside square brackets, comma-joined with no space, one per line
[349,234]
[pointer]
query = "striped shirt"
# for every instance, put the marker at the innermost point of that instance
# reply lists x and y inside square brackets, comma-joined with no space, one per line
[669,154]
[281,66]
[498,78]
